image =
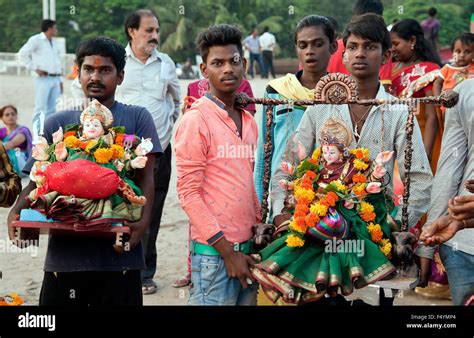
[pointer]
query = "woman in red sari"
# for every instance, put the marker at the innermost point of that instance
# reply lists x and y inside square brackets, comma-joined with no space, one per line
[414,71]
[415,68]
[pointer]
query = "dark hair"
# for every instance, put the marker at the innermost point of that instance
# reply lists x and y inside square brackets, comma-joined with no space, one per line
[102,46]
[266,29]
[317,21]
[369,26]
[406,28]
[133,20]
[367,6]
[432,11]
[218,35]
[47,24]
[2,110]
[334,23]
[465,38]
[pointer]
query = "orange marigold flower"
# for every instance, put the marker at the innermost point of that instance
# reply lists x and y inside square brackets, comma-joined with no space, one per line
[315,218]
[300,220]
[368,217]
[376,236]
[69,133]
[302,207]
[299,225]
[361,153]
[324,202]
[118,151]
[331,202]
[119,139]
[310,175]
[72,141]
[332,195]
[310,221]
[299,214]
[359,178]
[313,161]
[359,189]
[103,155]
[83,144]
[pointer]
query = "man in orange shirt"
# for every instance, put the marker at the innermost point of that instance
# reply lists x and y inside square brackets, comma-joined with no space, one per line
[215,143]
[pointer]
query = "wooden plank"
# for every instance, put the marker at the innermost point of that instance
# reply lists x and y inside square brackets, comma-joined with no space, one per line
[399,283]
[58,228]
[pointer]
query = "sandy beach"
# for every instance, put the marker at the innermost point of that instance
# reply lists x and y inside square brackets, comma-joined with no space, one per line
[22,271]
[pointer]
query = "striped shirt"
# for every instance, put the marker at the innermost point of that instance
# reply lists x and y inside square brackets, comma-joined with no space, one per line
[455,166]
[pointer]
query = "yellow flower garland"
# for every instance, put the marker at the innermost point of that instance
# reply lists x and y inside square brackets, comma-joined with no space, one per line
[294,241]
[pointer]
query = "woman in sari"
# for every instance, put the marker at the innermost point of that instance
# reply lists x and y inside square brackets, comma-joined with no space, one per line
[16,139]
[414,71]
[413,75]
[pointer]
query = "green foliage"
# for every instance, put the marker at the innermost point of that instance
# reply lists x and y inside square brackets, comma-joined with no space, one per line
[306,165]
[182,20]
[454,16]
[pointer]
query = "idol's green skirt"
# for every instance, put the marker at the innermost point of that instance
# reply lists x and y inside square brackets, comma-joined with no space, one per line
[304,274]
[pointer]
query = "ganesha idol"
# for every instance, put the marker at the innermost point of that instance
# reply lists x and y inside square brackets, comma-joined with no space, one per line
[85,173]
[335,193]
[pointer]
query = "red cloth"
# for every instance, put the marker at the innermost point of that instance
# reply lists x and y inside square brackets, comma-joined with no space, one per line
[82,178]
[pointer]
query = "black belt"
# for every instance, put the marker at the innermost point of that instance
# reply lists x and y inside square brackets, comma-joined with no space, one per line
[54,75]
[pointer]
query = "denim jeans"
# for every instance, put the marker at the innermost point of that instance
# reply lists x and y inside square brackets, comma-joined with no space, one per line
[162,175]
[211,284]
[255,57]
[47,92]
[460,268]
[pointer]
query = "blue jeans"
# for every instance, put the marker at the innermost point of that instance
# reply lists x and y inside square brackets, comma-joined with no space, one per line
[47,92]
[255,57]
[212,286]
[460,268]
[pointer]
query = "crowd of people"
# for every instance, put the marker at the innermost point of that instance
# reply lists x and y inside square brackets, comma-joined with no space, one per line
[222,195]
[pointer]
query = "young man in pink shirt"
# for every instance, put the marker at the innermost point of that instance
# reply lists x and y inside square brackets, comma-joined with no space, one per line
[215,143]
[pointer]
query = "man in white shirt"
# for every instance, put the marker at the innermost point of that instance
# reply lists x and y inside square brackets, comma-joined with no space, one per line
[267,45]
[151,81]
[41,55]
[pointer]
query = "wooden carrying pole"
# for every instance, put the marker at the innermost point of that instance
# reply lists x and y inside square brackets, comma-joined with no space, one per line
[340,89]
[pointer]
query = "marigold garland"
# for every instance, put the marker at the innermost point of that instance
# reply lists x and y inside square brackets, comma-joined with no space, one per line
[360,165]
[72,141]
[90,145]
[69,133]
[103,155]
[118,151]
[119,139]
[294,241]
[310,208]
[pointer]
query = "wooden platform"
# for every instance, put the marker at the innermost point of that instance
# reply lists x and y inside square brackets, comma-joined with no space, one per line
[120,233]
[371,294]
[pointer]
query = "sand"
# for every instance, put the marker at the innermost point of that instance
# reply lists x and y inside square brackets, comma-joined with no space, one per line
[22,271]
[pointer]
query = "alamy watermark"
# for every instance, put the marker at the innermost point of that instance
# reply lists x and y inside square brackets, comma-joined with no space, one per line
[233,151]
[335,245]
[24,246]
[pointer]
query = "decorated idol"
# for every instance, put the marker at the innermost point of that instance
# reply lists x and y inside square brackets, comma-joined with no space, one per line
[338,238]
[85,174]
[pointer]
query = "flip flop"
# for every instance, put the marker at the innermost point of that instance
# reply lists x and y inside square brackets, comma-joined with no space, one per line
[182,282]
[149,289]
